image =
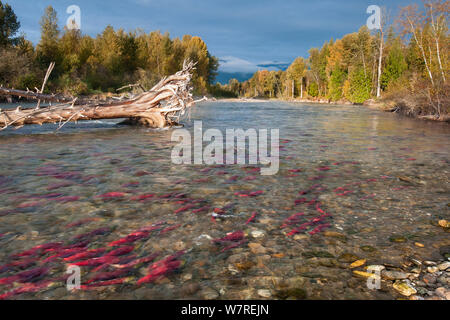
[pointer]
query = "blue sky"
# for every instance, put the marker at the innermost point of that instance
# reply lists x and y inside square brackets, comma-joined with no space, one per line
[245,34]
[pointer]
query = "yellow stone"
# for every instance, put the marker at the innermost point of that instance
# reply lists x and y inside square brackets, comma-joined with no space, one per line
[418,244]
[333,234]
[358,263]
[404,288]
[365,274]
[444,224]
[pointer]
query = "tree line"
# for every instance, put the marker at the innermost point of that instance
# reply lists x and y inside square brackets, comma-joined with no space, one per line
[86,65]
[408,58]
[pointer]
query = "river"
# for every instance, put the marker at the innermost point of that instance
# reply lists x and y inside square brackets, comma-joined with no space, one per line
[377,184]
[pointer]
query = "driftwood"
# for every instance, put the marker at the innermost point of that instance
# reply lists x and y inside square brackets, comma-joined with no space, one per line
[160,107]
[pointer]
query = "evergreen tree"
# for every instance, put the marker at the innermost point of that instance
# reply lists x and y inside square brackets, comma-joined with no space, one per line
[48,47]
[9,26]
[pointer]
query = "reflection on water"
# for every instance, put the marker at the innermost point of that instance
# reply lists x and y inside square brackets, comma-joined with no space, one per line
[353,184]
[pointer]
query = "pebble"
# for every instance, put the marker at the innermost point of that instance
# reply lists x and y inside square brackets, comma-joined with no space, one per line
[232,269]
[416,262]
[264,293]
[334,234]
[347,257]
[209,294]
[404,288]
[180,245]
[429,263]
[394,275]
[365,274]
[190,289]
[432,269]
[416,270]
[443,293]
[444,224]
[257,248]
[300,237]
[358,263]
[444,266]
[374,267]
[444,280]
[429,279]
[258,234]
[187,276]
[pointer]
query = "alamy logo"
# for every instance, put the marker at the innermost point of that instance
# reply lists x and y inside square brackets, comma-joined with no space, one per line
[74,20]
[213,153]
[74,278]
[374,281]
[374,21]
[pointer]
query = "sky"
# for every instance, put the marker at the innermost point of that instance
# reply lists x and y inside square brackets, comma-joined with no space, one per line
[246,35]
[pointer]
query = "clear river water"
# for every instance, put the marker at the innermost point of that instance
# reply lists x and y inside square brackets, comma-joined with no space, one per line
[354,184]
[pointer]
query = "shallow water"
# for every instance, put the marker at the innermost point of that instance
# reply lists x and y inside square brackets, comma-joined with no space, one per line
[376,183]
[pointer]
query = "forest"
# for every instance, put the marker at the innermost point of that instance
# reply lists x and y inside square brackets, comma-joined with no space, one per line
[86,65]
[405,62]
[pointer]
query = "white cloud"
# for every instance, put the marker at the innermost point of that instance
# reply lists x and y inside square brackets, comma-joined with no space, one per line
[234,64]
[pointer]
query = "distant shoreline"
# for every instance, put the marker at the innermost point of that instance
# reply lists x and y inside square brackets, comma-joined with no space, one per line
[386,106]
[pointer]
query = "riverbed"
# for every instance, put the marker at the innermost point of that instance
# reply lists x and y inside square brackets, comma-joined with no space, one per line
[354,184]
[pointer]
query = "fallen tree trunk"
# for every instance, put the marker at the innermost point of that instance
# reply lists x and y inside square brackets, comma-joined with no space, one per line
[33,95]
[160,107]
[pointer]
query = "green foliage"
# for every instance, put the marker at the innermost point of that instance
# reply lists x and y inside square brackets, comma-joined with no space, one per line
[313,90]
[360,85]
[9,26]
[48,48]
[221,91]
[111,60]
[336,84]
[395,66]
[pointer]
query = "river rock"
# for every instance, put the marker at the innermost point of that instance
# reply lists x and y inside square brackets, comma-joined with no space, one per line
[397,239]
[432,269]
[257,248]
[375,267]
[365,274]
[445,251]
[190,288]
[292,293]
[444,266]
[348,258]
[444,280]
[429,279]
[264,293]
[258,234]
[209,294]
[404,288]
[394,275]
[358,263]
[239,257]
[334,234]
[443,293]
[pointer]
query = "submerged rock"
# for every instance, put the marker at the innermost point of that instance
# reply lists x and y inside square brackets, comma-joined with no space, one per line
[257,234]
[209,294]
[264,293]
[404,288]
[257,248]
[444,266]
[347,258]
[394,275]
[296,294]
